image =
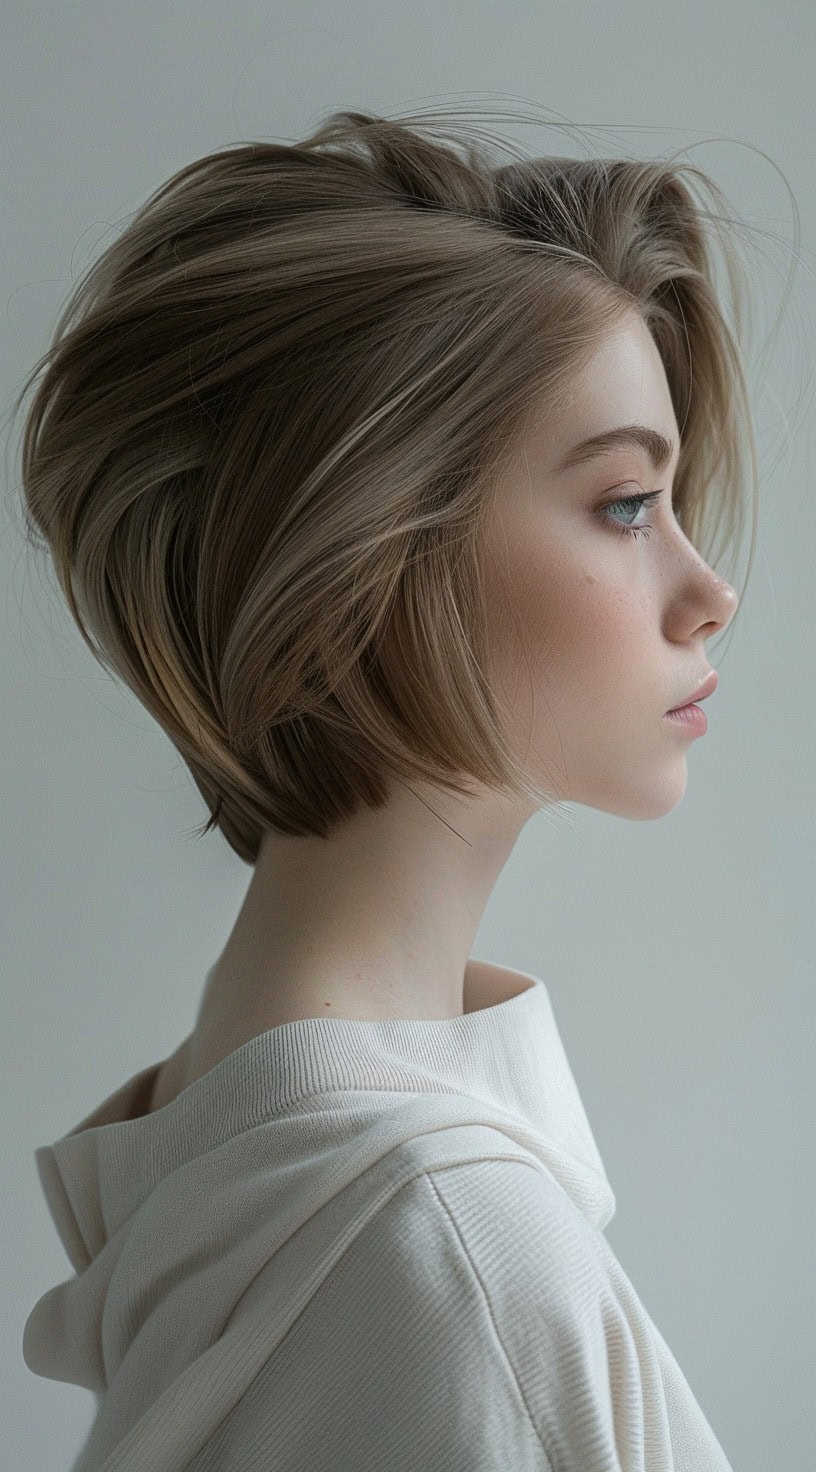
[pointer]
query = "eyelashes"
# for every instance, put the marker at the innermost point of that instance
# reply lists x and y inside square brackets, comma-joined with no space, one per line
[631,503]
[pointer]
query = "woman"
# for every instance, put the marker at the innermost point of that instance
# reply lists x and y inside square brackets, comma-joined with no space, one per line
[378,472]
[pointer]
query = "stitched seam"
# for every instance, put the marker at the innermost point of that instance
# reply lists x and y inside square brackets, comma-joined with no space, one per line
[463,1245]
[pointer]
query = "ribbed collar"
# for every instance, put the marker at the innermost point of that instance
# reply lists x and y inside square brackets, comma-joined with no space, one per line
[508,1058]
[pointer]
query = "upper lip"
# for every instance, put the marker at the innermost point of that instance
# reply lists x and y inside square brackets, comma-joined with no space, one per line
[708,687]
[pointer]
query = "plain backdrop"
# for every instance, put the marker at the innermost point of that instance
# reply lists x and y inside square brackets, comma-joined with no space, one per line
[679,954]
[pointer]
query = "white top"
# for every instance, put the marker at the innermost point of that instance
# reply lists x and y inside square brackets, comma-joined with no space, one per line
[355,1246]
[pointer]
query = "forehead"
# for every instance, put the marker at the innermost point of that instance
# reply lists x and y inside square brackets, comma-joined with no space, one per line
[624,383]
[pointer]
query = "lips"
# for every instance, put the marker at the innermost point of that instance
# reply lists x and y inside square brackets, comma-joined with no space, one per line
[707,688]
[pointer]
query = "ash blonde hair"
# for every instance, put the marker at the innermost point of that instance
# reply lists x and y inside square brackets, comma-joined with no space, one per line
[273,410]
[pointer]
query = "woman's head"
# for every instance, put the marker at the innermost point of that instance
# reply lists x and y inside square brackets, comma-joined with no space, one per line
[266,450]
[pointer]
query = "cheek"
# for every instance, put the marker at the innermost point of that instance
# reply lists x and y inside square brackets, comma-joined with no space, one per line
[577,633]
[569,617]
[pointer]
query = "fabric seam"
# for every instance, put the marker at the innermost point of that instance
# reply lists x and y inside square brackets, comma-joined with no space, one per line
[463,1246]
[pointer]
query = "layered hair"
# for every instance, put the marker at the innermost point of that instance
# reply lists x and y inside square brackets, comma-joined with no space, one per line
[274,409]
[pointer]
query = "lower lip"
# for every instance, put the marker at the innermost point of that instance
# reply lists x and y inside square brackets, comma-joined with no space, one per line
[691,717]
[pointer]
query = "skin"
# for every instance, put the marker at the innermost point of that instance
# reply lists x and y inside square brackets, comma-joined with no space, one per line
[378,920]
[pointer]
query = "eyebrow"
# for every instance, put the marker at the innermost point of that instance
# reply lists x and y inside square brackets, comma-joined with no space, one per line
[625,436]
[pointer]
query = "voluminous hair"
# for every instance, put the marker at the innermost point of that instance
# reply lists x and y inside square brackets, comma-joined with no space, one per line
[275,408]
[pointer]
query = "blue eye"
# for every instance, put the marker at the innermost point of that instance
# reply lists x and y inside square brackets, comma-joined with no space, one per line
[631,503]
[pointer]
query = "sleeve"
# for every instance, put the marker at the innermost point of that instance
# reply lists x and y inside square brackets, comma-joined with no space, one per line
[472,1325]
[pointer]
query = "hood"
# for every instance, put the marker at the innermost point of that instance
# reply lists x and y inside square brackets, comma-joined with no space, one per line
[169,1218]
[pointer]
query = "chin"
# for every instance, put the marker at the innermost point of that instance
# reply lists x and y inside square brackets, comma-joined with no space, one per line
[641,804]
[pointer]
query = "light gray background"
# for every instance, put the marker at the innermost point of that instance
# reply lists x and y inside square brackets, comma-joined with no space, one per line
[679,954]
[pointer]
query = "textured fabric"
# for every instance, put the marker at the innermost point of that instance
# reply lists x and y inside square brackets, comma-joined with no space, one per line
[358,1247]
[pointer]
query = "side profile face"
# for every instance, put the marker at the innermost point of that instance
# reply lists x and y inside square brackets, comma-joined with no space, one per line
[613,625]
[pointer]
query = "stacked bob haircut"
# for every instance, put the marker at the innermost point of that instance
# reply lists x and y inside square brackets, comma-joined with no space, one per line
[272,414]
